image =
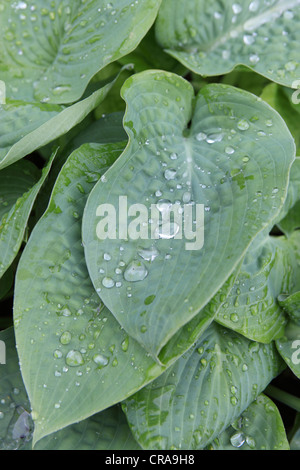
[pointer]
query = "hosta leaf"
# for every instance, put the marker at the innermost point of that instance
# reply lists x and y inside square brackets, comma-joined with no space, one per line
[197,398]
[26,127]
[236,148]
[18,190]
[270,269]
[259,427]
[51,51]
[104,431]
[15,422]
[276,96]
[53,290]
[107,430]
[291,222]
[291,305]
[75,358]
[213,37]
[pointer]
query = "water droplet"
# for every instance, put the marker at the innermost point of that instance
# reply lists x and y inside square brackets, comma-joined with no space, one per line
[237,8]
[213,138]
[100,360]
[65,337]
[250,441]
[125,344]
[248,39]
[254,58]
[170,174]
[234,318]
[74,358]
[167,231]
[201,136]
[238,439]
[229,150]
[108,282]
[186,197]
[106,257]
[243,125]
[148,254]
[57,354]
[254,6]
[234,401]
[135,271]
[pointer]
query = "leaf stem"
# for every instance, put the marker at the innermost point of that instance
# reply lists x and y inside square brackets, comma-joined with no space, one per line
[283,397]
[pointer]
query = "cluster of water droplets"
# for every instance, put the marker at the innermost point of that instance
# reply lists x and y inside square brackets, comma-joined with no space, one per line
[247,34]
[240,437]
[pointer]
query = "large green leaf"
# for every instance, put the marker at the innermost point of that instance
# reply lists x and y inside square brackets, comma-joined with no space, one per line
[212,37]
[19,188]
[26,127]
[107,430]
[75,358]
[271,268]
[104,431]
[236,150]
[52,282]
[277,97]
[259,427]
[197,398]
[51,50]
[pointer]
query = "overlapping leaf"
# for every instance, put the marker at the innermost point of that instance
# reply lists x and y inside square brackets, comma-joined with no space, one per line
[289,344]
[259,427]
[270,269]
[212,37]
[50,51]
[103,431]
[203,392]
[26,127]
[16,425]
[236,150]
[76,360]
[19,189]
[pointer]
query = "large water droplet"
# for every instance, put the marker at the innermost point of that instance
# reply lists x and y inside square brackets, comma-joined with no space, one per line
[243,125]
[100,360]
[135,271]
[74,358]
[170,174]
[65,337]
[108,282]
[238,439]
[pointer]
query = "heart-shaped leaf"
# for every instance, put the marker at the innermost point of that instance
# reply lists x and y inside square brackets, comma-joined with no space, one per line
[213,37]
[259,427]
[50,51]
[18,190]
[203,392]
[147,271]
